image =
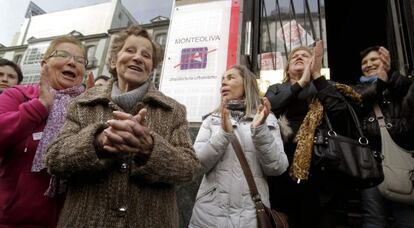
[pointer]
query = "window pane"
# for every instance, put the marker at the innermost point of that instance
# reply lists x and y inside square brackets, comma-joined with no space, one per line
[288,24]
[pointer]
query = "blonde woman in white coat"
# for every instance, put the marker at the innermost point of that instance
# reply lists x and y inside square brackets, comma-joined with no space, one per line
[223,199]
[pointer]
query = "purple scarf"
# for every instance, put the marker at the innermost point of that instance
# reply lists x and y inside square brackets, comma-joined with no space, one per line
[54,122]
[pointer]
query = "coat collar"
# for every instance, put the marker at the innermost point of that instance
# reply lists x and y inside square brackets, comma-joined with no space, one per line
[270,121]
[246,118]
[102,94]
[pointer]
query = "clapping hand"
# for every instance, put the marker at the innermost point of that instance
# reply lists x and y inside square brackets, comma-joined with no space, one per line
[225,117]
[306,75]
[90,82]
[262,113]
[45,94]
[385,67]
[317,58]
[313,68]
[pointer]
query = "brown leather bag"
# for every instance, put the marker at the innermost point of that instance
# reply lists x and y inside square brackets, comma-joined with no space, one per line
[266,217]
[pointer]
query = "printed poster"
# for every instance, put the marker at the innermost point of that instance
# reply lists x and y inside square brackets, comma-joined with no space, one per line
[196,56]
[271,61]
[294,35]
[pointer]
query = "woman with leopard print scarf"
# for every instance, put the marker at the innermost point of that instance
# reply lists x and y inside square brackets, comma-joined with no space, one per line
[298,192]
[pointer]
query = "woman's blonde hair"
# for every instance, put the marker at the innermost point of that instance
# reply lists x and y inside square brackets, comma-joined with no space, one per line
[251,89]
[286,76]
[64,39]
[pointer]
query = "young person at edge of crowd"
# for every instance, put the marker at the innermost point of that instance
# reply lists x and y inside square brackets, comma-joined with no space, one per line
[224,199]
[394,93]
[291,101]
[30,118]
[124,146]
[10,74]
[102,80]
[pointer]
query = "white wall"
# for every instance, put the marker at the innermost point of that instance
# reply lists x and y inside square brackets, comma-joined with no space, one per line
[86,20]
[8,55]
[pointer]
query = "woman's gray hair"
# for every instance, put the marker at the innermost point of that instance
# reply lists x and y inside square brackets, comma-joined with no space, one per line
[119,42]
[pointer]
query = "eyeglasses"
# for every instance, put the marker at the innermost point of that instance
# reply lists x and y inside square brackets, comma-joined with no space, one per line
[67,56]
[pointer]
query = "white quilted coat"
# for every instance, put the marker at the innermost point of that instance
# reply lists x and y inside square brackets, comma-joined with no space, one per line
[223,199]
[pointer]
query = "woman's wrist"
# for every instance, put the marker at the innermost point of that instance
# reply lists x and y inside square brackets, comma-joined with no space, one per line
[316,75]
[44,103]
[98,144]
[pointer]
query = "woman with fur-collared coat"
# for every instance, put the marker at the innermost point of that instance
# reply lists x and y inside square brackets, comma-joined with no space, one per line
[224,199]
[124,146]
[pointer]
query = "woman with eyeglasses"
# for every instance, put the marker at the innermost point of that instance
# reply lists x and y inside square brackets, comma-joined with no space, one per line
[30,118]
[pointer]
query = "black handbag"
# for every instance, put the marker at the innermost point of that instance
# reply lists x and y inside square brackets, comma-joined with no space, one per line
[352,158]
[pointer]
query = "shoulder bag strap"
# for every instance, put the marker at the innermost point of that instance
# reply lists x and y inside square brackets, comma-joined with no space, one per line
[247,171]
[379,115]
[354,118]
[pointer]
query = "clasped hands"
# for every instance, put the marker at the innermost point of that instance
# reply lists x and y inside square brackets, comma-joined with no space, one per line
[127,134]
[260,118]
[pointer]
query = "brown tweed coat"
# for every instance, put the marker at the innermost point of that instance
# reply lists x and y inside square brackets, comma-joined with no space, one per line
[116,190]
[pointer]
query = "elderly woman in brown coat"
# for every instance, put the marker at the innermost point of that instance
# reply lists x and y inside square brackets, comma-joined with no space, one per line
[124,146]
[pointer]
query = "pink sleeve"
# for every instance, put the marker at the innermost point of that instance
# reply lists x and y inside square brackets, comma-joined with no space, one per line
[19,116]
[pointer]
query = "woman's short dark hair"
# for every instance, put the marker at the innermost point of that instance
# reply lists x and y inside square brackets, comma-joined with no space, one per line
[6,62]
[366,51]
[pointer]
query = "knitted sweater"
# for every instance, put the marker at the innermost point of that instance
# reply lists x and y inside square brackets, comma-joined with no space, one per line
[116,190]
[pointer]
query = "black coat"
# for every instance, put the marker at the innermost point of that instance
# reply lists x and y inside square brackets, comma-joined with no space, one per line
[302,201]
[293,102]
[396,100]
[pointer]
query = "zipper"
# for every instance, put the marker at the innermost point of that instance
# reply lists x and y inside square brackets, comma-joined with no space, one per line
[211,190]
[26,145]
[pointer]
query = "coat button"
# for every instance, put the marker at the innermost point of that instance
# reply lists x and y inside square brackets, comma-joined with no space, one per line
[122,211]
[124,167]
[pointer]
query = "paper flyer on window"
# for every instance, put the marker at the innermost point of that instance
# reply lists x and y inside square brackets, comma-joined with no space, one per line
[294,35]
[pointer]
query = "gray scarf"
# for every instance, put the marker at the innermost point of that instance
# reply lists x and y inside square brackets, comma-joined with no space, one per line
[127,101]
